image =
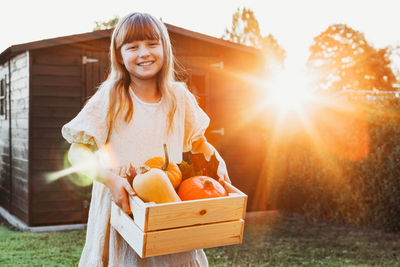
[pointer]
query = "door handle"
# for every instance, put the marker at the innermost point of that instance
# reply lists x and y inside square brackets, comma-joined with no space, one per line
[219,131]
[86,60]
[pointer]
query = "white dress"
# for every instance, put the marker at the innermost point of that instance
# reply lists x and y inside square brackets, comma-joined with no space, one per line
[135,142]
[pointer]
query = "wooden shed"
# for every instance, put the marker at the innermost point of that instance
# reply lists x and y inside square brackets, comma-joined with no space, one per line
[44,84]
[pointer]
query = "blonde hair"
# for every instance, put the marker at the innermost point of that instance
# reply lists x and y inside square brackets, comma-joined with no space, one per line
[134,27]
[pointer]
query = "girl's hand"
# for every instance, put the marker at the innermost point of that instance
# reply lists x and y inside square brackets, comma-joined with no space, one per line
[224,179]
[81,155]
[222,171]
[119,188]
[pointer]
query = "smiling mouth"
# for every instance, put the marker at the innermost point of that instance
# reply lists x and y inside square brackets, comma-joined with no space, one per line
[145,63]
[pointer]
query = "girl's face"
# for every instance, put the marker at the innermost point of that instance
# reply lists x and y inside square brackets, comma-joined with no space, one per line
[142,59]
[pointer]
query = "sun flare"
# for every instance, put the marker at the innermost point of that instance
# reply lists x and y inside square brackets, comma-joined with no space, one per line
[289,90]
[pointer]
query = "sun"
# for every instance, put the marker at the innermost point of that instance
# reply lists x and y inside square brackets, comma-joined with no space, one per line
[289,90]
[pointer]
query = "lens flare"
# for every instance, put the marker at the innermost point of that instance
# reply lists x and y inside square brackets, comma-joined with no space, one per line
[83,173]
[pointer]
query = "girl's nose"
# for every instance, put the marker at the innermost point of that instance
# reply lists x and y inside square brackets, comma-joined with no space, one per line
[143,51]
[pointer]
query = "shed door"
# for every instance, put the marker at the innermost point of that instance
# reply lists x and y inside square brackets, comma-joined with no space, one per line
[96,66]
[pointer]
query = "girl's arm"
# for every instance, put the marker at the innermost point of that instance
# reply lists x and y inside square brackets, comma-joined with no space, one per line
[84,159]
[202,146]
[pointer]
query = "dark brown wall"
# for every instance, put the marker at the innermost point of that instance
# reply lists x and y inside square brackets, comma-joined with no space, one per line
[56,88]
[59,81]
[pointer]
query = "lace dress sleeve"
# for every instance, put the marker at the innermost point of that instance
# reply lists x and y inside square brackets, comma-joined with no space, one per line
[89,126]
[196,121]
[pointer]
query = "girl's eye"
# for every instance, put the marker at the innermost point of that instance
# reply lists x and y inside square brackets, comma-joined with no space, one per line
[132,47]
[153,43]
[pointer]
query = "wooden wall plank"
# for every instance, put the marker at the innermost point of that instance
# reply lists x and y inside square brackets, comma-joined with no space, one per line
[50,80]
[47,133]
[57,206]
[4,197]
[48,165]
[67,50]
[50,123]
[42,154]
[19,173]
[52,196]
[57,60]
[19,207]
[55,112]
[53,101]
[58,90]
[56,70]
[56,217]
[18,210]
[20,151]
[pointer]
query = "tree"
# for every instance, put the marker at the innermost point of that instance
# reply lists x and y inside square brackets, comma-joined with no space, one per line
[342,59]
[273,51]
[108,24]
[393,53]
[246,30]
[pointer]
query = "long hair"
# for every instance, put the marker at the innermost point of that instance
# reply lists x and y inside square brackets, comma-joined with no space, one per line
[137,27]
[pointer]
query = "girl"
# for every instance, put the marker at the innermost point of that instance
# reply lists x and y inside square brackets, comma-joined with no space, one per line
[135,111]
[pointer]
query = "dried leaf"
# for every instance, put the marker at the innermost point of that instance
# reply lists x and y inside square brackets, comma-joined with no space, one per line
[186,170]
[200,166]
[212,167]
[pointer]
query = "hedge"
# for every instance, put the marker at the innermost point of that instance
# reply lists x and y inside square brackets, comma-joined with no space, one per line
[338,160]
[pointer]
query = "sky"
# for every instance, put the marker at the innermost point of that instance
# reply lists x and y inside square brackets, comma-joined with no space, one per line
[294,23]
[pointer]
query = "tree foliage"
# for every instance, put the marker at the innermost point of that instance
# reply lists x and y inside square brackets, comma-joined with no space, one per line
[342,59]
[105,25]
[245,30]
[393,53]
[273,51]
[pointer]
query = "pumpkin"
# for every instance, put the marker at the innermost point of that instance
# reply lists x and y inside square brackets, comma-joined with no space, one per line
[154,185]
[199,187]
[171,169]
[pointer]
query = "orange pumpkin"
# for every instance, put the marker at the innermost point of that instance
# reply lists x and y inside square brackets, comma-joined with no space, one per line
[171,169]
[199,187]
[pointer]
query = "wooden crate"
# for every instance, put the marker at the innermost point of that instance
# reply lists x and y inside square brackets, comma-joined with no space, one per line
[158,229]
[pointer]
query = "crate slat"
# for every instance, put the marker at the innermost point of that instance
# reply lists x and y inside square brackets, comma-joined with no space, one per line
[194,212]
[127,229]
[194,237]
[139,211]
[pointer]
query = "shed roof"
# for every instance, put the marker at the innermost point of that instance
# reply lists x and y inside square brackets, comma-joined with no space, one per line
[16,49]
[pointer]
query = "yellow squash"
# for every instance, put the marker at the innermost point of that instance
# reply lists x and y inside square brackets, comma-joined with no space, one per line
[154,185]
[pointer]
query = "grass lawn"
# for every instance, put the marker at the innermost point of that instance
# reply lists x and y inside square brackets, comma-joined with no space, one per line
[270,239]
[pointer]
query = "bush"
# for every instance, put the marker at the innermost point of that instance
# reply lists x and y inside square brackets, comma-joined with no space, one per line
[342,165]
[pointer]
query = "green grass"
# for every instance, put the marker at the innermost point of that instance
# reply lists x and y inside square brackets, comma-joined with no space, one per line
[40,249]
[287,240]
[271,240]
